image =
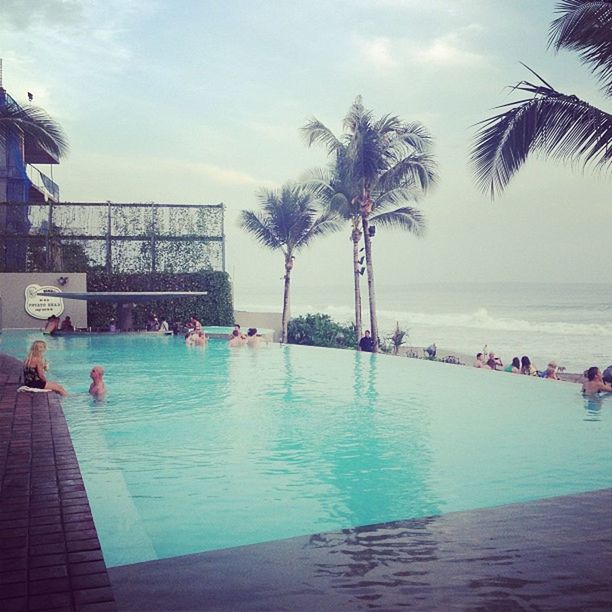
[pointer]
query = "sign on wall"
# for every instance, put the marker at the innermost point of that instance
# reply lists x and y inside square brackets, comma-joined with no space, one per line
[43,306]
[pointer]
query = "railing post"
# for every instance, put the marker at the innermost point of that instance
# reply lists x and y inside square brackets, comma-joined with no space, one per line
[109,261]
[153,232]
[48,237]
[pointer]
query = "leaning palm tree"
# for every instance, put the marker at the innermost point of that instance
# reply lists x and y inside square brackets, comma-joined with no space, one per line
[288,221]
[558,125]
[385,163]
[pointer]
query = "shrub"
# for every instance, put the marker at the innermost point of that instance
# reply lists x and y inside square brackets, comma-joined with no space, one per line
[321,330]
[216,308]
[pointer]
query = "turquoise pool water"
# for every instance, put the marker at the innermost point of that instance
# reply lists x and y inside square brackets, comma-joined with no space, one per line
[197,449]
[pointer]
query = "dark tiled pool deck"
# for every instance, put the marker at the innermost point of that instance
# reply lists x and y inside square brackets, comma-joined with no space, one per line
[551,554]
[50,556]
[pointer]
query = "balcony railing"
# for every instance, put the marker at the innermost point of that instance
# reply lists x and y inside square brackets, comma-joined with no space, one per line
[43,183]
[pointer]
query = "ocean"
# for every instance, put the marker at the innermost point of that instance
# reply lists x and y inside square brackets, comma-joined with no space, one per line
[570,323]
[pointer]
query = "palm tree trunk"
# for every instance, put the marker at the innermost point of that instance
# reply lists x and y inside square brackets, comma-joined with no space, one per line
[285,317]
[371,291]
[356,235]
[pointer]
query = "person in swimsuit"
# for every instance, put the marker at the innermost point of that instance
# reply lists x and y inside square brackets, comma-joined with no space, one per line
[594,382]
[34,368]
[97,387]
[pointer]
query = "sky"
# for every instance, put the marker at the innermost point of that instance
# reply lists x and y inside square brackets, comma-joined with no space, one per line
[190,101]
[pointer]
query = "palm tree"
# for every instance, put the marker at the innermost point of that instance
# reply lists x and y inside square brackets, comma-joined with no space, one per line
[382,164]
[559,125]
[34,123]
[288,221]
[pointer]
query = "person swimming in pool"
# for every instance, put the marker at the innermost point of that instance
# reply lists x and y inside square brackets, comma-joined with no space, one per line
[236,340]
[97,387]
[594,383]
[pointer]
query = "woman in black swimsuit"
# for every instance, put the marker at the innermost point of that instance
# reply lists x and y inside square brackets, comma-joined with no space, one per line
[34,368]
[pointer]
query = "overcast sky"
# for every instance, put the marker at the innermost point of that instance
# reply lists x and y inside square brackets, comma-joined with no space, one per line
[201,102]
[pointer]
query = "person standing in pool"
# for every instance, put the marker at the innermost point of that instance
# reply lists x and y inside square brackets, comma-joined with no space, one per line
[366,344]
[97,387]
[594,383]
[34,368]
[253,340]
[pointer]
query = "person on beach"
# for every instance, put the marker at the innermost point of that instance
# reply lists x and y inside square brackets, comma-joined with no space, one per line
[253,340]
[551,371]
[366,343]
[514,367]
[97,387]
[236,340]
[480,362]
[594,383]
[494,362]
[527,368]
[34,368]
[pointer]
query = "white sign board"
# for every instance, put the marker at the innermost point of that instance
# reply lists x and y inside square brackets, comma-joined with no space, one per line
[43,306]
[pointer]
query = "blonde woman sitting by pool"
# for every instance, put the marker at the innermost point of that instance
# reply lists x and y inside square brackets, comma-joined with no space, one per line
[594,383]
[34,368]
[236,340]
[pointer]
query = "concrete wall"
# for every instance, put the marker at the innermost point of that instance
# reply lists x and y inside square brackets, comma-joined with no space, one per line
[261,320]
[12,298]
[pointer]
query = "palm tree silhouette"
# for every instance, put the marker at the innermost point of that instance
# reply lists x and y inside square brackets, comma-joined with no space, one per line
[379,166]
[559,125]
[289,220]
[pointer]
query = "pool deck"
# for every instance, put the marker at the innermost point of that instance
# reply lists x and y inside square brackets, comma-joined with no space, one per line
[548,554]
[50,556]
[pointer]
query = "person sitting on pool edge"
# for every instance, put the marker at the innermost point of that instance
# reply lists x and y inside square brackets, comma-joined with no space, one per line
[594,382]
[480,362]
[34,368]
[97,387]
[67,325]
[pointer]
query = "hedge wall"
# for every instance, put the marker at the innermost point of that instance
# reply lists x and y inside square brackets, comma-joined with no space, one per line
[216,308]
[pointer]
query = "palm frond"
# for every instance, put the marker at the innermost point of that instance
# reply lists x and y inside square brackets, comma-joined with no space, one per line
[35,123]
[316,132]
[406,218]
[558,125]
[417,171]
[393,198]
[325,223]
[260,228]
[585,26]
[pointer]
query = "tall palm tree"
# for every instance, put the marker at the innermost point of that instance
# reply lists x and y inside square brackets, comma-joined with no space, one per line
[559,125]
[289,220]
[382,164]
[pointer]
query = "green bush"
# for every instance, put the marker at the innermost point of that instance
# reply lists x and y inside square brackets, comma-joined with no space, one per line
[216,308]
[321,330]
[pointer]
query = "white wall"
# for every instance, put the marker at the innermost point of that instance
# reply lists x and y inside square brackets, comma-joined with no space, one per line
[12,298]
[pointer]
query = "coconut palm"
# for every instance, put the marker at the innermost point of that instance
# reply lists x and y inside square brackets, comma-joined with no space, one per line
[382,164]
[289,220]
[34,123]
[559,125]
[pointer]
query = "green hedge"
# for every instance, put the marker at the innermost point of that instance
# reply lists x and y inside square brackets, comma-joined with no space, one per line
[216,308]
[321,330]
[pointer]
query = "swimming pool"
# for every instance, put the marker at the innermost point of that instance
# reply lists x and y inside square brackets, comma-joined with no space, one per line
[197,449]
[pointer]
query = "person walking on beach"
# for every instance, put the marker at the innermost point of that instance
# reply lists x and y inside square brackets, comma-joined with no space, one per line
[366,343]
[34,368]
[594,382]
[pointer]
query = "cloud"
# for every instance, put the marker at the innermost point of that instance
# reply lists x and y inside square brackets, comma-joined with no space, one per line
[23,14]
[392,54]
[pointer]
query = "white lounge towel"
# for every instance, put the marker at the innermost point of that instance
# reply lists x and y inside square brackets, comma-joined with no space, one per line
[25,389]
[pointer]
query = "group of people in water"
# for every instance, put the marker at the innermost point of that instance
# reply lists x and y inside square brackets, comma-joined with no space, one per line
[196,337]
[55,324]
[595,381]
